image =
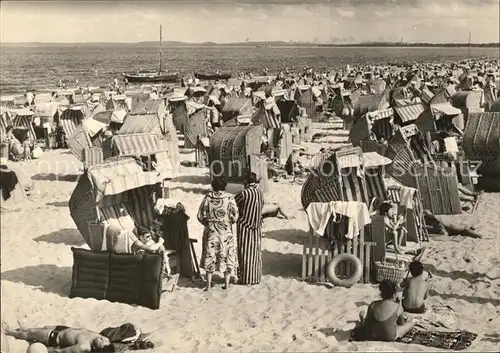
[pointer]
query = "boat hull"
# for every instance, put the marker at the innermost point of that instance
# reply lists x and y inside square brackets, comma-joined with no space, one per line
[171,78]
[207,76]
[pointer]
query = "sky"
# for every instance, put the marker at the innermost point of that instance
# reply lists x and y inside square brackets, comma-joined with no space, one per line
[226,21]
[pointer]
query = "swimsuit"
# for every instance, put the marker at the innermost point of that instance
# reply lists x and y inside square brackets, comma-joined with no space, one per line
[381,330]
[54,334]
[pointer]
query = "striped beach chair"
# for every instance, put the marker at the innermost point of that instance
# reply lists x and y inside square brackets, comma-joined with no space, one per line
[23,118]
[415,223]
[70,118]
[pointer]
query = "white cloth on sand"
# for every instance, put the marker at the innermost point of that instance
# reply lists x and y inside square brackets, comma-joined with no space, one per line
[319,214]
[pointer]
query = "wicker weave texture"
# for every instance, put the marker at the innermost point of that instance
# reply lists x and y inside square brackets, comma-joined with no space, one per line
[230,147]
[481,141]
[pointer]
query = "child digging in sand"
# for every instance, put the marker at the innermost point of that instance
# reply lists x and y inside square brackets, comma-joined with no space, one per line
[415,289]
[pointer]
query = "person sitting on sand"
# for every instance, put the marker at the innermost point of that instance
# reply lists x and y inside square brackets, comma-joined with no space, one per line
[146,238]
[384,320]
[67,339]
[415,289]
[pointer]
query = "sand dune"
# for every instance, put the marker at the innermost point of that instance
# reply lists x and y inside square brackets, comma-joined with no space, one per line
[280,314]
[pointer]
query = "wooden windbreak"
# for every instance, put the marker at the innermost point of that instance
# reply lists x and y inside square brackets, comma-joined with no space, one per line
[318,251]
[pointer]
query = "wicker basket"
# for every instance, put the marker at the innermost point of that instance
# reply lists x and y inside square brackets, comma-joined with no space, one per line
[394,272]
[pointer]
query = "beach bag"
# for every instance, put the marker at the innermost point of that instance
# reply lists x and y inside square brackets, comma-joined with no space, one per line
[394,272]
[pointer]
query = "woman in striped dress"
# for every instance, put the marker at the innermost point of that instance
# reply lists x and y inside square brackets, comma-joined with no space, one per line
[249,231]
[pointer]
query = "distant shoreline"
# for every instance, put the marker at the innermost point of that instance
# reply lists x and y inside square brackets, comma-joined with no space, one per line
[259,45]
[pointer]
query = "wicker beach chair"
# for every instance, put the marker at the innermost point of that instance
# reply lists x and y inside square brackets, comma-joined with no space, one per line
[230,149]
[481,141]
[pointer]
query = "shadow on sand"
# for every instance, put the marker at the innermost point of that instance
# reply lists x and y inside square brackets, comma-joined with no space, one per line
[473,300]
[281,265]
[492,338]
[58,204]
[47,278]
[455,275]
[295,236]
[68,236]
[193,179]
[55,177]
[340,335]
[194,189]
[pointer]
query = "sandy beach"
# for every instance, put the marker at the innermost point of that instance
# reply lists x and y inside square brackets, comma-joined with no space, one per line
[282,313]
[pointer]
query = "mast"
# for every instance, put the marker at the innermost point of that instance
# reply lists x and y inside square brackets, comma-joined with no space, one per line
[161,53]
[468,47]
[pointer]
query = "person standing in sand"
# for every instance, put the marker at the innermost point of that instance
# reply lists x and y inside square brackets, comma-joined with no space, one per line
[217,213]
[69,340]
[249,230]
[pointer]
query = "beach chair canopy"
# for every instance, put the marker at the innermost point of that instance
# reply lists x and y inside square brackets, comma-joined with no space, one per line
[369,103]
[373,160]
[113,178]
[92,126]
[193,107]
[441,109]
[235,107]
[146,117]
[467,99]
[111,116]
[409,113]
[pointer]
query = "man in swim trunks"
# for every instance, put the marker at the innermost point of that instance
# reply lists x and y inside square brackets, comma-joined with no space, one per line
[415,289]
[64,339]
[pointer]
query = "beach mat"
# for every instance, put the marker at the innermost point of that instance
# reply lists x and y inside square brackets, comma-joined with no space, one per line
[457,340]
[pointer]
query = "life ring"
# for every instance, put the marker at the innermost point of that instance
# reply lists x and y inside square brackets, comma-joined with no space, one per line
[348,282]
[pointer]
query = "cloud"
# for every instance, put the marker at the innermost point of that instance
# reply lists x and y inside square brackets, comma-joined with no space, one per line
[232,21]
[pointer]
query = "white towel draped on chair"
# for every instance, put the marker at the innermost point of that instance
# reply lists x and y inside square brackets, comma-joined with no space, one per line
[319,214]
[406,196]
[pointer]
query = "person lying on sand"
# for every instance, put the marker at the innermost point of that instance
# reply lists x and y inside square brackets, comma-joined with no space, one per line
[63,339]
[436,226]
[273,210]
[384,320]
[415,289]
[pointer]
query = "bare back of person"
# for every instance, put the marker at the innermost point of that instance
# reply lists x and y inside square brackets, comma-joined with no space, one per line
[73,336]
[415,292]
[61,336]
